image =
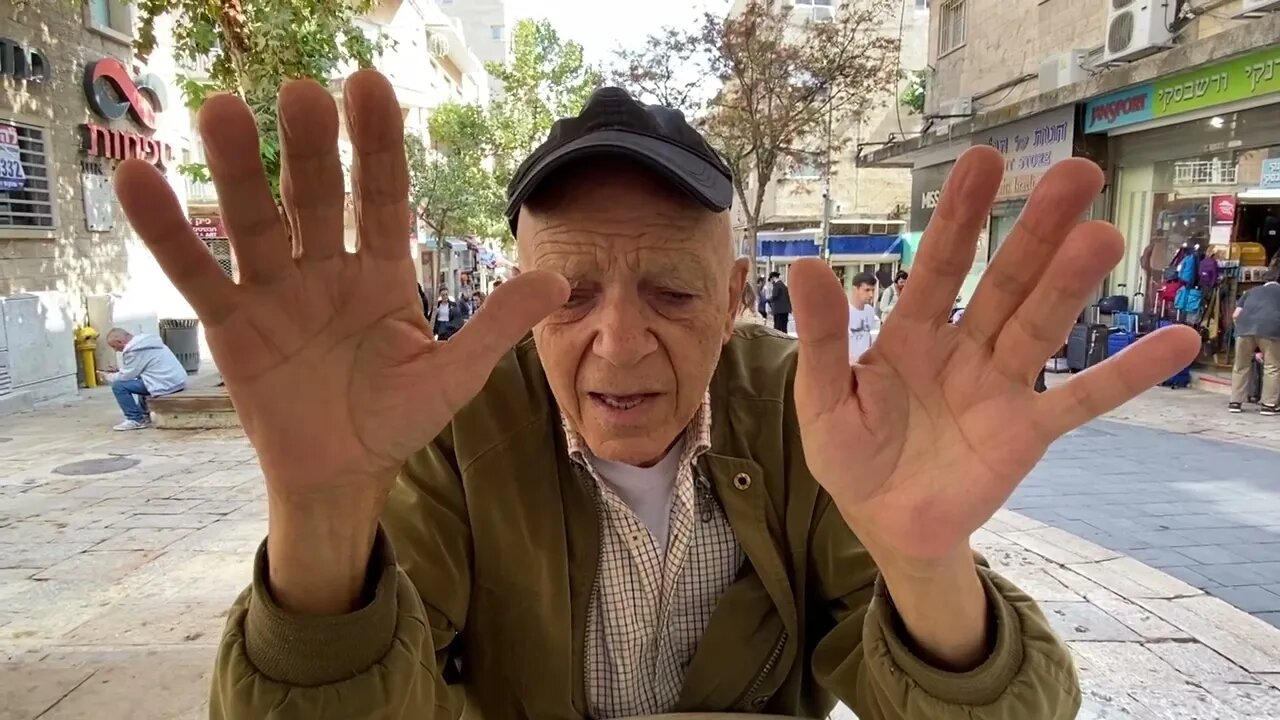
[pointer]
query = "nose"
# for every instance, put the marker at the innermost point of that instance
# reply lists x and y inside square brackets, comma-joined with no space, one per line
[624,335]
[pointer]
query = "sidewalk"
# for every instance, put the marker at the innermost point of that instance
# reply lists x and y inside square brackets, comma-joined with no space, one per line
[120,552]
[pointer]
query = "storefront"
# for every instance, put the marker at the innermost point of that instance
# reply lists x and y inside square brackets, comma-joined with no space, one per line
[854,247]
[1195,171]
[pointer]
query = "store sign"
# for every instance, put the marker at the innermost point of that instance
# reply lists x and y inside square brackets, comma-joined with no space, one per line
[1270,173]
[22,63]
[1223,209]
[1243,78]
[1030,147]
[208,227]
[12,175]
[926,190]
[113,94]
[1131,105]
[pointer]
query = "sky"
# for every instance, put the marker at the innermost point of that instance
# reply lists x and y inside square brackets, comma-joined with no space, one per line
[603,25]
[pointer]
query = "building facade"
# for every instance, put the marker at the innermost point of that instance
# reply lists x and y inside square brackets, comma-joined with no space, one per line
[72,104]
[1179,102]
[868,204]
[487,25]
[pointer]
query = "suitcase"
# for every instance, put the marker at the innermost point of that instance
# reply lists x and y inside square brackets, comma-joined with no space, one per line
[1253,389]
[1182,378]
[1125,321]
[1087,346]
[1118,340]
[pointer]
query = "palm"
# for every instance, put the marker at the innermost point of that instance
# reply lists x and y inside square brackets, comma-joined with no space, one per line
[326,354]
[929,434]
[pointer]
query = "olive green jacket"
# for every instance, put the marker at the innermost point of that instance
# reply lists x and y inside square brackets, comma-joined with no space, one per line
[480,582]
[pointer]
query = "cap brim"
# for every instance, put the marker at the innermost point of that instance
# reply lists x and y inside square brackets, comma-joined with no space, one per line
[688,172]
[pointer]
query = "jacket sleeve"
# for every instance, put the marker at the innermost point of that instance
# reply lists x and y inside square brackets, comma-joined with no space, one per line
[131,367]
[865,662]
[392,658]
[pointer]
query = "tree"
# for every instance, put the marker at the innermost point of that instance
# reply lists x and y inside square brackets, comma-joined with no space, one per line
[450,188]
[912,96]
[545,79]
[783,84]
[255,45]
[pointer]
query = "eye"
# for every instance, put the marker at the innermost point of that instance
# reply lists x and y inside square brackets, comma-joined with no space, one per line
[675,296]
[579,295]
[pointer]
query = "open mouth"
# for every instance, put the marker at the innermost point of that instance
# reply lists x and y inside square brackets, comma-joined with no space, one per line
[622,402]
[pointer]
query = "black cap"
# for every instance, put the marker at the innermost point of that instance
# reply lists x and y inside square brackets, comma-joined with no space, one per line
[615,124]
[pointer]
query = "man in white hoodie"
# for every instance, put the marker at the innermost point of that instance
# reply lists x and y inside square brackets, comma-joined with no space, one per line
[148,368]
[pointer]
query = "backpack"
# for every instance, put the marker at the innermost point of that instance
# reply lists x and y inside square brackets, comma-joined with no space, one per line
[1189,300]
[1208,272]
[1188,269]
[1169,291]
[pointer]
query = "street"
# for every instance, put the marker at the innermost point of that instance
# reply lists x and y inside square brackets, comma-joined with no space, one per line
[121,551]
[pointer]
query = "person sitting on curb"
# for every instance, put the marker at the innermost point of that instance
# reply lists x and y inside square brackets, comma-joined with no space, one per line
[602,497]
[148,368]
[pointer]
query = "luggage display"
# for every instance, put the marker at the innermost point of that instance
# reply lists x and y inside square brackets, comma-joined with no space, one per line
[1118,340]
[1182,378]
[1114,304]
[1125,321]
[1086,346]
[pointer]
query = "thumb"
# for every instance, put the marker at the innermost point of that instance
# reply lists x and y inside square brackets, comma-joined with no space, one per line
[504,318]
[823,377]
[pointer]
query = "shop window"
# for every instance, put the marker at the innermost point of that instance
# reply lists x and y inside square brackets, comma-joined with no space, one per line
[26,200]
[951,25]
[110,17]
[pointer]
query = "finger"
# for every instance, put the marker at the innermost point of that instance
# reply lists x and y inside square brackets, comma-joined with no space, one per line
[380,176]
[1055,207]
[506,317]
[1104,387]
[311,172]
[1039,326]
[160,221]
[248,210]
[823,379]
[946,251]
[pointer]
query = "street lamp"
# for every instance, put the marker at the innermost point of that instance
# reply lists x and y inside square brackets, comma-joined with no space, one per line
[824,246]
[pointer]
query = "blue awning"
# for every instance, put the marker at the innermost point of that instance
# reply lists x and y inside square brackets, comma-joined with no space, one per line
[866,245]
[793,245]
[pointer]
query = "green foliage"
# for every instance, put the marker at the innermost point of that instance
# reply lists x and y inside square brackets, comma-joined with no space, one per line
[912,96]
[253,46]
[458,184]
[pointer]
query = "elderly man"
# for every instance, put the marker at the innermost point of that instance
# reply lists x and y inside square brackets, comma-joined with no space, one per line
[640,508]
[148,368]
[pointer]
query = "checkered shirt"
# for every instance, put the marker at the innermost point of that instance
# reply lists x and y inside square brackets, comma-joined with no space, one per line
[648,609]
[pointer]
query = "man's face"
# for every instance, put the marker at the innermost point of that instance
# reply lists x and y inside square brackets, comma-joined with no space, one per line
[655,291]
[116,342]
[863,294]
[900,282]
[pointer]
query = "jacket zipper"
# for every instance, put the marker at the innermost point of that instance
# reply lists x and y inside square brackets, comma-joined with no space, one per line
[584,476]
[769,663]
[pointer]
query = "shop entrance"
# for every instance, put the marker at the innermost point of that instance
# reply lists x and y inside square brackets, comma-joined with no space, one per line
[1258,221]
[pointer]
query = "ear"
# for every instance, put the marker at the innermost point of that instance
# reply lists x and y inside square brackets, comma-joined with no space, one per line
[734,308]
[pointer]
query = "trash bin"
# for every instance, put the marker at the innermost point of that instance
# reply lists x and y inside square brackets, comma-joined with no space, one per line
[183,338]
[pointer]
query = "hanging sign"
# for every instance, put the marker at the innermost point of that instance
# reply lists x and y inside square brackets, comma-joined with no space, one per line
[208,227]
[1223,209]
[12,175]
[1030,147]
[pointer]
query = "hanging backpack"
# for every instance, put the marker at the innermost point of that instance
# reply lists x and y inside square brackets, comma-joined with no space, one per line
[1188,300]
[1208,272]
[1188,269]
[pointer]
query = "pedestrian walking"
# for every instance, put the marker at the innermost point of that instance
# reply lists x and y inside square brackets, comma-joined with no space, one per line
[889,298]
[448,316]
[779,302]
[1257,326]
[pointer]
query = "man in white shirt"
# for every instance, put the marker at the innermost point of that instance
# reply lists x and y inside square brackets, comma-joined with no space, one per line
[863,321]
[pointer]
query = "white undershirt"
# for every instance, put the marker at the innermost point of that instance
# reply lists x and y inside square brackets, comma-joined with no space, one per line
[646,491]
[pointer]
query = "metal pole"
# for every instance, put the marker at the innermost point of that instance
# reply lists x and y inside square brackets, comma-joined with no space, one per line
[824,249]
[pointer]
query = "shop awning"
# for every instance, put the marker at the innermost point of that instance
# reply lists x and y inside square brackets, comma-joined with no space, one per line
[797,245]
[1259,196]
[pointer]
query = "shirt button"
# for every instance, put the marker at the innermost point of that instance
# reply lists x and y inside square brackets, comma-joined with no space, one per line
[742,481]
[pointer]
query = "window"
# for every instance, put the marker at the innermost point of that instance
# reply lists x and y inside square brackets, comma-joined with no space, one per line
[25,197]
[804,169]
[817,10]
[495,32]
[950,25]
[111,17]
[922,4]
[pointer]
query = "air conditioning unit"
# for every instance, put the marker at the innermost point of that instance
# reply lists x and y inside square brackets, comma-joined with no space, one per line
[1258,6]
[1136,28]
[1063,69]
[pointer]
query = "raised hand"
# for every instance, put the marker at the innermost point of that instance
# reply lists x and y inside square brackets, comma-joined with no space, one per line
[325,353]
[922,441]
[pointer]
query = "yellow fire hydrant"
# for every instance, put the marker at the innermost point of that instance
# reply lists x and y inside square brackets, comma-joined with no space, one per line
[86,343]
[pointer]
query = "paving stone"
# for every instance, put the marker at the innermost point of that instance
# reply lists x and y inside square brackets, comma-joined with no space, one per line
[184,520]
[1272,618]
[98,565]
[152,624]
[242,536]
[1161,557]
[27,689]
[1061,546]
[1240,574]
[1133,616]
[1244,640]
[1040,584]
[176,686]
[38,555]
[1250,598]
[1130,664]
[143,539]
[1131,579]
[1085,621]
[1211,554]
[1246,699]
[1199,662]
[1190,576]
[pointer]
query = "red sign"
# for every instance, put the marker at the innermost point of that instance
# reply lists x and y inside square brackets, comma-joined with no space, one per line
[104,142]
[1223,209]
[208,227]
[141,97]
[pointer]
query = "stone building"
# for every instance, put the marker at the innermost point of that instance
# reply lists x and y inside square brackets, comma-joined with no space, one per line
[487,25]
[72,102]
[1178,101]
[868,204]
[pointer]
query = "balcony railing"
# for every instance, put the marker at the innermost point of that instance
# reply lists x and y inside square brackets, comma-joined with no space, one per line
[1204,172]
[201,192]
[200,67]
